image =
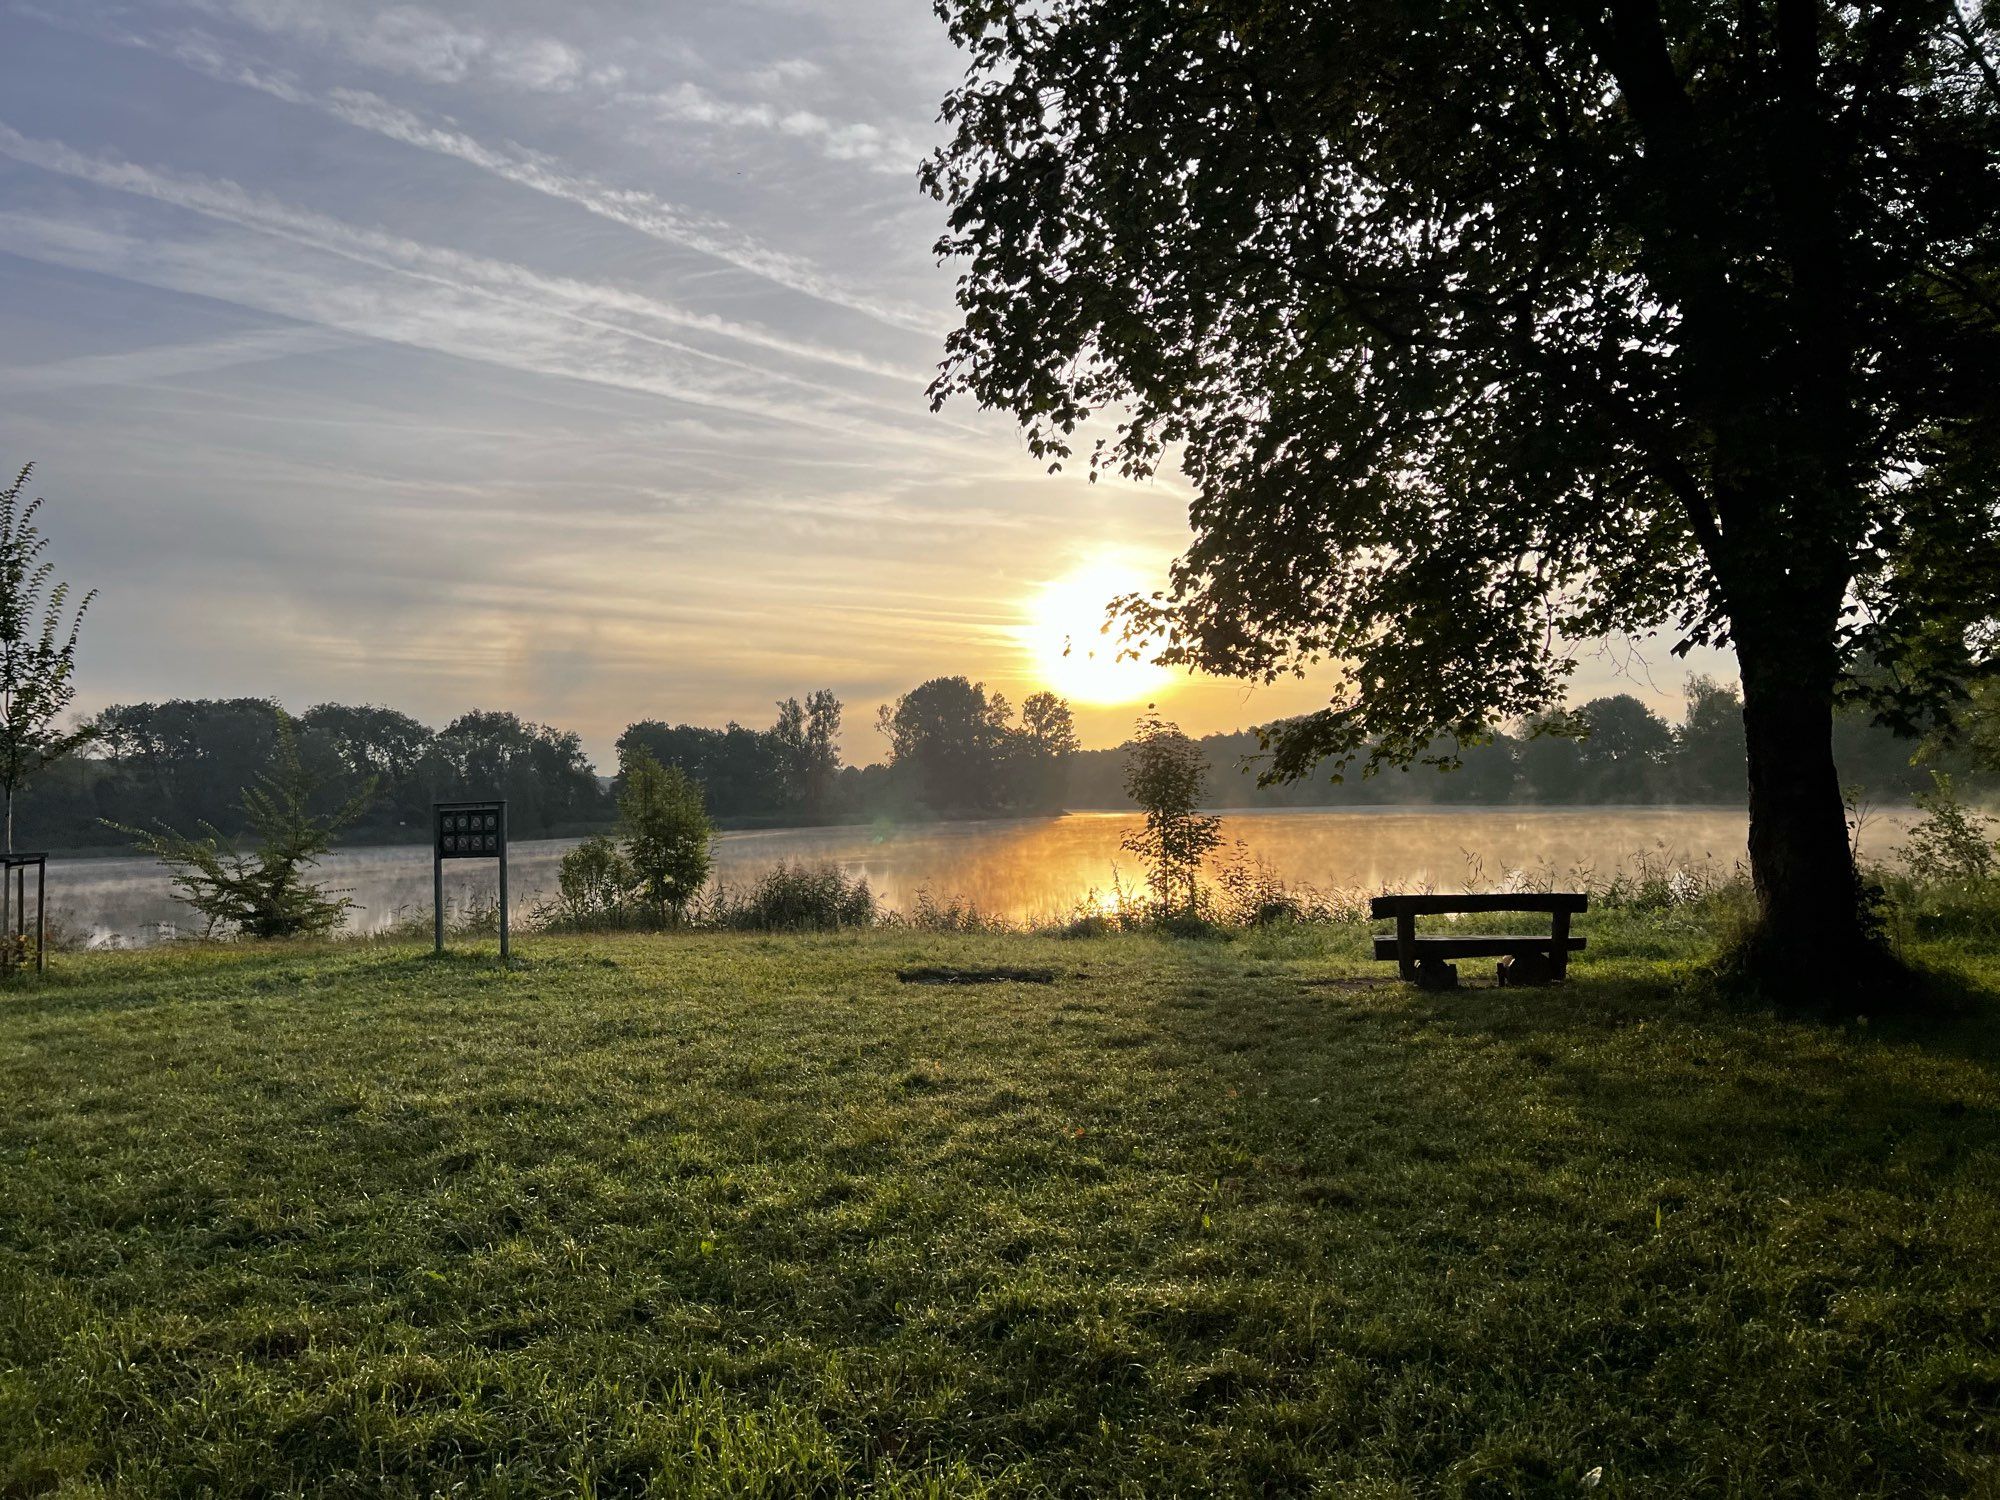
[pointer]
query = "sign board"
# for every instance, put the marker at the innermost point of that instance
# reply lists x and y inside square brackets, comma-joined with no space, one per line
[468,830]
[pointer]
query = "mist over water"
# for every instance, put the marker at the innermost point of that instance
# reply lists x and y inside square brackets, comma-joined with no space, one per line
[1029,868]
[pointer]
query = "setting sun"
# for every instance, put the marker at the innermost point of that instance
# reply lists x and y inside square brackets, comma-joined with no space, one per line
[1072,651]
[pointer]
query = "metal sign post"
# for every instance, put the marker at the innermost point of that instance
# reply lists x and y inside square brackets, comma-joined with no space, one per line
[467,830]
[14,905]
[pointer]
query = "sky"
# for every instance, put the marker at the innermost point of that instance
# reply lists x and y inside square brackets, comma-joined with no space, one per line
[567,359]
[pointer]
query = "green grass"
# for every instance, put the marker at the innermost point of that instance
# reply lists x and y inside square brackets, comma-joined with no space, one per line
[733,1214]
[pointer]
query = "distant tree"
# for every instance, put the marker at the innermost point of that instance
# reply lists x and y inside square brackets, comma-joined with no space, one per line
[822,748]
[1883,764]
[37,657]
[1484,330]
[1551,757]
[667,834]
[1625,751]
[542,772]
[1166,774]
[379,744]
[371,741]
[1486,770]
[742,772]
[807,739]
[1048,722]
[195,756]
[788,738]
[695,748]
[1708,744]
[1045,745]
[263,893]
[946,737]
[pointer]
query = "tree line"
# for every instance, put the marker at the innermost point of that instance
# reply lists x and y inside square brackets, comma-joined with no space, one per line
[952,749]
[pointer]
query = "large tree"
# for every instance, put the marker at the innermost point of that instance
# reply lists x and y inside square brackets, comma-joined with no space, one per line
[1486,327]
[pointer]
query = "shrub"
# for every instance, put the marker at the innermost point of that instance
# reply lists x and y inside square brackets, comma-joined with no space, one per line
[594,884]
[667,834]
[1949,843]
[799,898]
[262,893]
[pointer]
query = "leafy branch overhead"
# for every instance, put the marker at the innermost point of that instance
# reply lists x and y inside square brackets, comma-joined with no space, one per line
[1471,332]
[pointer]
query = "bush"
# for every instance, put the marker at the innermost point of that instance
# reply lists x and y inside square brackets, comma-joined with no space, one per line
[667,834]
[595,885]
[1949,843]
[798,898]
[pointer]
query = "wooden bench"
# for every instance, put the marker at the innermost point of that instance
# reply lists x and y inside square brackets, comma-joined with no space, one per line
[1533,959]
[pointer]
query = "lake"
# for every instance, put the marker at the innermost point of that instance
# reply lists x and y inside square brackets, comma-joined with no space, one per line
[1031,868]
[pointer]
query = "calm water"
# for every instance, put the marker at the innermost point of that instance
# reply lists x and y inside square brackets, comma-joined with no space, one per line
[1025,869]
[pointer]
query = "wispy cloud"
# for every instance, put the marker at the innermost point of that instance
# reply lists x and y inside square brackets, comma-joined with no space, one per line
[630,207]
[857,141]
[410,40]
[479,307]
[635,209]
[168,361]
[413,41]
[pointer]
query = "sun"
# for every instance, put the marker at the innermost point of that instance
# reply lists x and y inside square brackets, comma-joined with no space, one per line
[1065,636]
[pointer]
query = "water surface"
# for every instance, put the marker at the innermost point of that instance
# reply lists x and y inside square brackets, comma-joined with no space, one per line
[1029,869]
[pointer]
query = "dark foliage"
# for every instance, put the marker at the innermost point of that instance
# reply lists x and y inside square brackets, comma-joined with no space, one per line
[955,748]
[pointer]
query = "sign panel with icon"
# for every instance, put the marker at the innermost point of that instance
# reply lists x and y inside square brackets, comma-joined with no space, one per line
[471,832]
[468,830]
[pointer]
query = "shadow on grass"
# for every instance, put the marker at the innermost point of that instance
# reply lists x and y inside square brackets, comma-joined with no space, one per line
[1661,1077]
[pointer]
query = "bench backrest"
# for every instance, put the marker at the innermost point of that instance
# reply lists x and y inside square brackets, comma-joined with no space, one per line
[1432,905]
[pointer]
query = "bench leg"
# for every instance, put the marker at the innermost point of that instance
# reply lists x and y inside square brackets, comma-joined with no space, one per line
[1559,949]
[1436,974]
[1406,945]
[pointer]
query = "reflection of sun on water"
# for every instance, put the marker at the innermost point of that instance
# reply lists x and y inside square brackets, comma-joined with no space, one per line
[1072,653]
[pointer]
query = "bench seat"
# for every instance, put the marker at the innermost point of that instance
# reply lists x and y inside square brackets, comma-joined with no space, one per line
[1473,945]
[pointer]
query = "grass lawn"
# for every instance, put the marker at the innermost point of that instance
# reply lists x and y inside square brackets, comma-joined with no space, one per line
[724,1215]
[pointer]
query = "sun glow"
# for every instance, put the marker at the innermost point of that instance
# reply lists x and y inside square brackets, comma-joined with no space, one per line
[1072,653]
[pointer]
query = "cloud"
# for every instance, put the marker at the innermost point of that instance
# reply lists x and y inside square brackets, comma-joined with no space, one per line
[540,63]
[650,215]
[166,361]
[409,40]
[880,149]
[634,209]
[228,201]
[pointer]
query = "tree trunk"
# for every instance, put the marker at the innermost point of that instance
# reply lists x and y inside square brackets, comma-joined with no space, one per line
[1810,944]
